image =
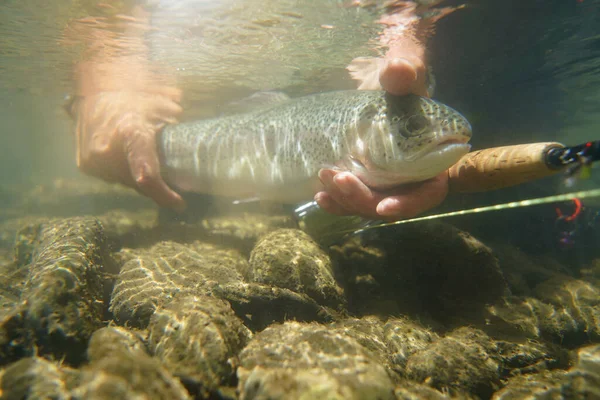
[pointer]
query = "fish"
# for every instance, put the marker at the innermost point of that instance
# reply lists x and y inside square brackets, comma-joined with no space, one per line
[274,152]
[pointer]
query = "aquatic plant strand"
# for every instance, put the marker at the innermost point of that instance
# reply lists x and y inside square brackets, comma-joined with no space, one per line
[514,204]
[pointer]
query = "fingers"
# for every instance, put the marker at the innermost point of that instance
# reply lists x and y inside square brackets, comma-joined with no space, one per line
[116,140]
[346,195]
[398,76]
[402,76]
[165,111]
[171,92]
[145,170]
[410,201]
[327,203]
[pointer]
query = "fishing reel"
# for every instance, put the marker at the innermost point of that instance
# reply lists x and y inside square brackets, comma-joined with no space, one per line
[577,160]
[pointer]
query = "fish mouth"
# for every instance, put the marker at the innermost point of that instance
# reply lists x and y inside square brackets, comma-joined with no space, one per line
[452,140]
[452,144]
[446,153]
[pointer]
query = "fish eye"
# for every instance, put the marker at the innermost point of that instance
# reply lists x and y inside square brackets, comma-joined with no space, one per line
[416,124]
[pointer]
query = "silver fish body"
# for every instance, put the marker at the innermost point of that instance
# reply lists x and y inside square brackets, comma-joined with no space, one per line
[274,153]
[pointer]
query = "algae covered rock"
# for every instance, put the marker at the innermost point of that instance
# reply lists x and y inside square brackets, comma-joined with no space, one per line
[121,368]
[403,338]
[106,342]
[410,390]
[535,318]
[583,380]
[243,229]
[62,301]
[463,361]
[368,331]
[150,278]
[36,378]
[262,305]
[579,298]
[543,385]
[198,337]
[290,259]
[430,269]
[530,356]
[12,281]
[299,360]
[580,382]
[565,311]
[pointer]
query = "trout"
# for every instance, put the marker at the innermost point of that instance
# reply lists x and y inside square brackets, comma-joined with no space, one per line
[274,153]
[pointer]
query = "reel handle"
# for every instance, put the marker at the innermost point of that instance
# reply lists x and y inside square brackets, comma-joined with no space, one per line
[500,167]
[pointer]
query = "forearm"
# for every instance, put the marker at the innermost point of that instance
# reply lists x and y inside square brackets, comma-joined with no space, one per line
[122,101]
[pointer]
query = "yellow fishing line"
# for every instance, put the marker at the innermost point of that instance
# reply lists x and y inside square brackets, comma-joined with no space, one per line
[514,204]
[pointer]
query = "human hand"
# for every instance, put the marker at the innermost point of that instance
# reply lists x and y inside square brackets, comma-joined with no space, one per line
[404,75]
[116,134]
[346,194]
[402,71]
[121,102]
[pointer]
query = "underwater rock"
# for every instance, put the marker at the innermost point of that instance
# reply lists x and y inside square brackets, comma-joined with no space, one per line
[108,341]
[403,338]
[307,360]
[368,331]
[534,318]
[565,311]
[243,230]
[9,230]
[149,278]
[221,222]
[262,305]
[530,356]
[36,378]
[120,368]
[583,380]
[579,298]
[546,301]
[543,385]
[62,301]
[120,228]
[464,361]
[364,268]
[130,228]
[6,257]
[524,271]
[430,269]
[580,382]
[290,259]
[12,282]
[409,390]
[198,338]
[14,341]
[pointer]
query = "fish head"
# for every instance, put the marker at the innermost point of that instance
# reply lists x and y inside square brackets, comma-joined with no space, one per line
[411,139]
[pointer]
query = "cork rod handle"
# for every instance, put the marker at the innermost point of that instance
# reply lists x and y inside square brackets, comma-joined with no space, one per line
[501,167]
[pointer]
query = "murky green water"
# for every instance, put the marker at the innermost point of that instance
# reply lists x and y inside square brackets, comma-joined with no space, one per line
[518,78]
[462,306]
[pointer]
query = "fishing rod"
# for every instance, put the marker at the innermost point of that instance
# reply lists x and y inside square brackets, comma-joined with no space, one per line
[478,171]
